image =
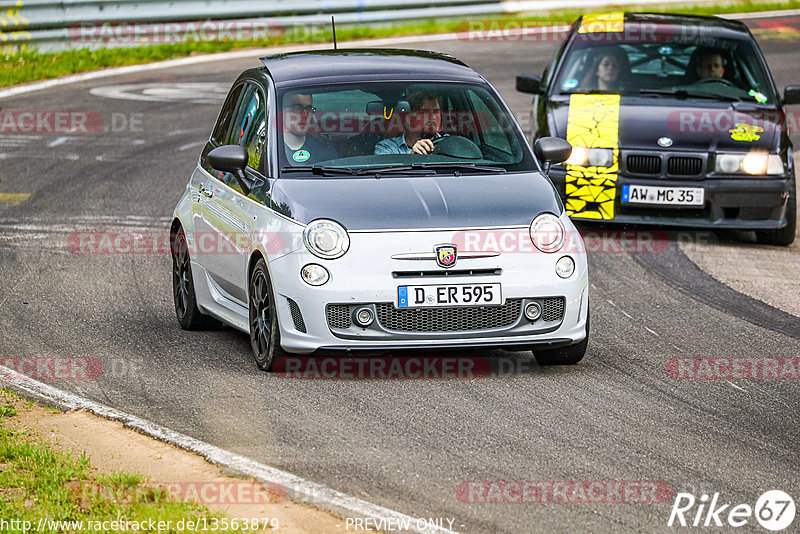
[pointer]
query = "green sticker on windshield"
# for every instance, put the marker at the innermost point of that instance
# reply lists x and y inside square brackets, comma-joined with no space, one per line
[301,155]
[761,98]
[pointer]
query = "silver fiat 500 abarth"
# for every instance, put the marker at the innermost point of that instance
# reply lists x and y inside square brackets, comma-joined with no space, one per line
[378,200]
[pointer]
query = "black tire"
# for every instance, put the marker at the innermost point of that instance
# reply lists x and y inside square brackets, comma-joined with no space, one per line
[785,236]
[189,315]
[569,355]
[265,336]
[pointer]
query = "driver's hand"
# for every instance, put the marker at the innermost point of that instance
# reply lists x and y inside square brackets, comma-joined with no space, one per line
[423,146]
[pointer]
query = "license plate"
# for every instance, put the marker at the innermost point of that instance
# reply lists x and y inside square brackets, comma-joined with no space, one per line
[676,196]
[449,295]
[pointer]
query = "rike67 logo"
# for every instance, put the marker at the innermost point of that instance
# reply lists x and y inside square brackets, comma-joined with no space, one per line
[774,510]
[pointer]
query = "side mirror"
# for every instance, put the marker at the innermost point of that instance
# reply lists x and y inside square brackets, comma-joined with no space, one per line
[552,149]
[232,159]
[529,84]
[791,95]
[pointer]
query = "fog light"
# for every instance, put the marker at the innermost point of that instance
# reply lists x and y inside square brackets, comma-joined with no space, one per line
[364,316]
[533,311]
[314,275]
[565,266]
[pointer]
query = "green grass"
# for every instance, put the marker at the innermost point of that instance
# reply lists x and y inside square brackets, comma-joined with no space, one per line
[31,66]
[37,481]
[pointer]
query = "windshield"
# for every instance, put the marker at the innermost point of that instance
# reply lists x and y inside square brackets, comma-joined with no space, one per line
[710,68]
[402,128]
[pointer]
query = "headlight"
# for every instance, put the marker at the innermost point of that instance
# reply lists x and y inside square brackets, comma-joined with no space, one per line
[326,239]
[753,163]
[547,232]
[591,157]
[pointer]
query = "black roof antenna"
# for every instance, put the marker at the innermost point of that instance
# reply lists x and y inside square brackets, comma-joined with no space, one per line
[333,25]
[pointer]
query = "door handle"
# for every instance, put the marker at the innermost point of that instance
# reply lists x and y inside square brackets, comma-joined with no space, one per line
[206,192]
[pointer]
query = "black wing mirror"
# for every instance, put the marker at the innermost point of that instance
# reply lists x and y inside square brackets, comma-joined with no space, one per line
[791,95]
[529,84]
[232,159]
[551,150]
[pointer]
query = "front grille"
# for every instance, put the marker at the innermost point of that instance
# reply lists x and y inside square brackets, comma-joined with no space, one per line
[684,166]
[297,317]
[642,164]
[449,319]
[339,316]
[456,319]
[553,308]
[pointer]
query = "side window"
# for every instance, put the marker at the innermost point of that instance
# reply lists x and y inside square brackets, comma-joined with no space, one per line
[223,125]
[250,125]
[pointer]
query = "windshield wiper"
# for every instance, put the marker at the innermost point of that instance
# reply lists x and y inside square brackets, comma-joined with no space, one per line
[593,92]
[683,93]
[397,169]
[432,167]
[463,166]
[319,169]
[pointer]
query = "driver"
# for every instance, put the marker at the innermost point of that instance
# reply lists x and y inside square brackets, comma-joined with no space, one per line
[428,108]
[709,65]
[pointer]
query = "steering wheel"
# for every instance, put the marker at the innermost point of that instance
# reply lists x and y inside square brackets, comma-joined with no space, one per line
[723,81]
[457,147]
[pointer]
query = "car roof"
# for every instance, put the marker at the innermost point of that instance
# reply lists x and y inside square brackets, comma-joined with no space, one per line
[331,66]
[716,26]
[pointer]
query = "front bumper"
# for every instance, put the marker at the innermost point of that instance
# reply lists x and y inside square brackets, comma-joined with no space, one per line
[739,204]
[368,276]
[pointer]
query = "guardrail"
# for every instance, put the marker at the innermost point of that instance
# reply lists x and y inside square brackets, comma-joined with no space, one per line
[47,25]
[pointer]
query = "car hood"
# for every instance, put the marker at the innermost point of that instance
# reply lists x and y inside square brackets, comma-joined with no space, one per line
[416,202]
[702,127]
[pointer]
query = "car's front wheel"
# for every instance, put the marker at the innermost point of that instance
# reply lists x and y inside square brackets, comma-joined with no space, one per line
[189,315]
[785,236]
[569,355]
[265,336]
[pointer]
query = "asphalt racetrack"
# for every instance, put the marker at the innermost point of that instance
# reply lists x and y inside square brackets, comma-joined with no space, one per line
[408,445]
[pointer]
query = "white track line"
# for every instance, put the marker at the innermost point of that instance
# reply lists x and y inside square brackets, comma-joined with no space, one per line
[297,489]
[254,54]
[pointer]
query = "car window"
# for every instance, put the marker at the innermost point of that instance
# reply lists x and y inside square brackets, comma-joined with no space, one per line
[667,65]
[223,126]
[364,126]
[249,125]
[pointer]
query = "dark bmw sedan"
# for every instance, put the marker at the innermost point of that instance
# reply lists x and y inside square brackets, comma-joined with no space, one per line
[675,120]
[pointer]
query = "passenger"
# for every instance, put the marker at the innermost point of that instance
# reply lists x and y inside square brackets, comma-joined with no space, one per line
[428,108]
[608,72]
[300,147]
